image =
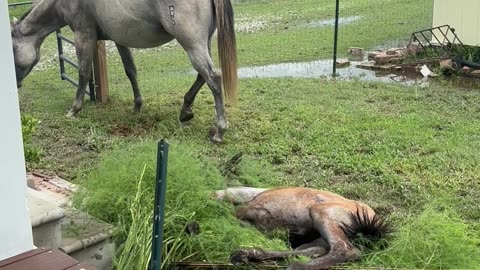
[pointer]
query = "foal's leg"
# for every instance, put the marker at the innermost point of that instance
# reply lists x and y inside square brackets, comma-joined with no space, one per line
[243,256]
[253,215]
[327,219]
[84,46]
[202,62]
[131,71]
[238,195]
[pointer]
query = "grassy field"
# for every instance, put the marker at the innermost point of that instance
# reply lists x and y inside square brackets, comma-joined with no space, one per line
[410,152]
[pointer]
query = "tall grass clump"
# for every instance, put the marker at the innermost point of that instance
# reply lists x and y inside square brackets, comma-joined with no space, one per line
[120,191]
[436,239]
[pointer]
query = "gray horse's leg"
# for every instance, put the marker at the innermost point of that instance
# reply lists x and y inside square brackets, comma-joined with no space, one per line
[203,63]
[84,46]
[131,71]
[186,114]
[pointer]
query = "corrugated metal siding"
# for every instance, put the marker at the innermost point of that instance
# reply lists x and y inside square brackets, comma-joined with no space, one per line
[463,15]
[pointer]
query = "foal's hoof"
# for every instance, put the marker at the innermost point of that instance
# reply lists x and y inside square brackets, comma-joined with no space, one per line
[297,266]
[239,257]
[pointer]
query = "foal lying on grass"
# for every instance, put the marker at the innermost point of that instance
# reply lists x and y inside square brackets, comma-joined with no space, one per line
[320,224]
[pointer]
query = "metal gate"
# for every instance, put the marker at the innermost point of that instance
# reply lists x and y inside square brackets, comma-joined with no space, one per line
[63,59]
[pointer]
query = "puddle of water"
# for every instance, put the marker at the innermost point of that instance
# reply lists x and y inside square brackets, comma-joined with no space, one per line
[331,22]
[323,69]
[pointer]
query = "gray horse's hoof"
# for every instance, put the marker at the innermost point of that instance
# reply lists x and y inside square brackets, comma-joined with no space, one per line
[183,124]
[216,136]
[137,109]
[72,113]
[185,116]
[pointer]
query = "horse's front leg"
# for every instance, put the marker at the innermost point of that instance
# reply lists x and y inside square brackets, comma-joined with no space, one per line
[131,71]
[84,46]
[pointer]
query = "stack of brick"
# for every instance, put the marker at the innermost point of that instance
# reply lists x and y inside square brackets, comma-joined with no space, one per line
[394,55]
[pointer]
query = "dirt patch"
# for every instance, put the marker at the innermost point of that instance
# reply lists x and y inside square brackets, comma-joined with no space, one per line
[124,130]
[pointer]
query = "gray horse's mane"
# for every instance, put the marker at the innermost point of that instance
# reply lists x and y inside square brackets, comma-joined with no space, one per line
[25,15]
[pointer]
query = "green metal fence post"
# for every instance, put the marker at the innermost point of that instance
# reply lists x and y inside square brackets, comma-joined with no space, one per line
[335,38]
[159,206]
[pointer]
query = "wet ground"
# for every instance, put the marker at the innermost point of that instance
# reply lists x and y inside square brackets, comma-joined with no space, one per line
[323,69]
[331,22]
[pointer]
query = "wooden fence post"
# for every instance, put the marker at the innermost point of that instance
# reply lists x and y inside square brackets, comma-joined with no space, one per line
[101,72]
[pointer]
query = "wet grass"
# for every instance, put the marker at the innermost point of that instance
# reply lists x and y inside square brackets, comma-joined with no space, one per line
[397,148]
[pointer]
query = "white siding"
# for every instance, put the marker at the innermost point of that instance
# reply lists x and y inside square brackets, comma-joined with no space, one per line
[15,227]
[463,15]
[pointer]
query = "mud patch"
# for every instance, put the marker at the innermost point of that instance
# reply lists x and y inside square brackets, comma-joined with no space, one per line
[123,130]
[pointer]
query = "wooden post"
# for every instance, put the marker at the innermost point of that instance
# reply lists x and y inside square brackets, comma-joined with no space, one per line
[101,72]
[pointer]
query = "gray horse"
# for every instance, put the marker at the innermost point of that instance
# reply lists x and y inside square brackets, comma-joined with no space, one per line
[137,24]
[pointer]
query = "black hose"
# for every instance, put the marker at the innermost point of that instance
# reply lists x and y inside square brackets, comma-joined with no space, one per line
[465,63]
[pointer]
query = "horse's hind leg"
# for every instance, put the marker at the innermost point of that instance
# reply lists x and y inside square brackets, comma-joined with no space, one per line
[131,71]
[327,220]
[202,62]
[84,46]
[186,114]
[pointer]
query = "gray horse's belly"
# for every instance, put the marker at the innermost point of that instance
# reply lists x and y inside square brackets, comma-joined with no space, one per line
[138,35]
[133,24]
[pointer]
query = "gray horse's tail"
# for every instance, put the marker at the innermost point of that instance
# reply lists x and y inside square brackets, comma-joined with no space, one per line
[227,49]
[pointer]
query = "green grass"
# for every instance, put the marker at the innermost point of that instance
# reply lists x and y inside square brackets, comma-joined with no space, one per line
[121,191]
[396,148]
[436,239]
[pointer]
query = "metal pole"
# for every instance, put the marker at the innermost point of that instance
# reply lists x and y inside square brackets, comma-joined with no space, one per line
[20,4]
[159,207]
[335,38]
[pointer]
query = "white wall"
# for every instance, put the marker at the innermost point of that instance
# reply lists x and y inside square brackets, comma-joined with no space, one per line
[463,15]
[15,227]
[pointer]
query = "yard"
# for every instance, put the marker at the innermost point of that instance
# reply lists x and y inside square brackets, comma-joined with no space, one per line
[410,152]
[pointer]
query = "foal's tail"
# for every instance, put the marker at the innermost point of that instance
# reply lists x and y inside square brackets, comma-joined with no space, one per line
[372,227]
[227,48]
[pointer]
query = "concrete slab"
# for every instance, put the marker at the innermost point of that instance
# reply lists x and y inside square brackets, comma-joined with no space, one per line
[46,218]
[88,239]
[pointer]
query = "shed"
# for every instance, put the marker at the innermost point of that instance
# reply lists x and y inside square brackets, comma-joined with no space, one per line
[463,15]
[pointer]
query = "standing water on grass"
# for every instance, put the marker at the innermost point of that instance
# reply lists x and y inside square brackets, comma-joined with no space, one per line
[323,69]
[331,22]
